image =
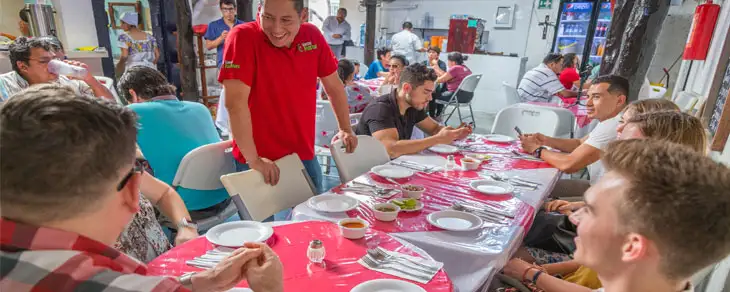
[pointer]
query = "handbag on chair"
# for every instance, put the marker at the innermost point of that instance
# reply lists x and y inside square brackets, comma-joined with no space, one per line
[552,232]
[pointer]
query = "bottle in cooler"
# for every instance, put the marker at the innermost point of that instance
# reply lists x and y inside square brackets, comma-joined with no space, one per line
[62,68]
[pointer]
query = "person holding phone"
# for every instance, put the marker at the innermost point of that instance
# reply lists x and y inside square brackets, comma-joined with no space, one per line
[215,35]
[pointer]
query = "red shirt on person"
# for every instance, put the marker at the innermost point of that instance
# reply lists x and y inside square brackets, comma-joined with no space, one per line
[568,76]
[283,85]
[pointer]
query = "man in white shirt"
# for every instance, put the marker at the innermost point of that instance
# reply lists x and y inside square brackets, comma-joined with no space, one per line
[541,83]
[407,43]
[336,31]
[607,98]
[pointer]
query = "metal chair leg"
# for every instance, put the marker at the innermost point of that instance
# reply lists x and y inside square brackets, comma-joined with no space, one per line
[473,119]
[458,111]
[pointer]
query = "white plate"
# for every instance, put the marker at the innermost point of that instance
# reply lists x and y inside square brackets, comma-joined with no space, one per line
[444,149]
[491,187]
[387,285]
[392,171]
[419,205]
[235,234]
[332,203]
[499,138]
[454,220]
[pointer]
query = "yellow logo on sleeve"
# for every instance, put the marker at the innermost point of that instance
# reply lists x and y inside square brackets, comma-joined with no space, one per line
[306,47]
[230,65]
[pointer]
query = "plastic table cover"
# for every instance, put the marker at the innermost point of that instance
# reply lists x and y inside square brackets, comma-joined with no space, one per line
[470,258]
[340,271]
[372,84]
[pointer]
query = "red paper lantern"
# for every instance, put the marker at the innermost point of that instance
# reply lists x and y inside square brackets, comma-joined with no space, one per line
[703,26]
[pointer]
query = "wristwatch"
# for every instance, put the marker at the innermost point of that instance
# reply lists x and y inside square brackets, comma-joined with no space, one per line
[184,223]
[538,151]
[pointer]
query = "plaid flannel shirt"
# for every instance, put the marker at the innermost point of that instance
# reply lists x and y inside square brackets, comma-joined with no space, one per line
[43,259]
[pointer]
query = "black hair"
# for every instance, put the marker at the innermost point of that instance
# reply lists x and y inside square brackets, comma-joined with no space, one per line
[56,44]
[343,10]
[382,52]
[435,49]
[552,58]
[298,5]
[417,74]
[407,25]
[20,49]
[146,83]
[569,60]
[23,15]
[457,58]
[355,62]
[345,68]
[228,2]
[400,58]
[616,84]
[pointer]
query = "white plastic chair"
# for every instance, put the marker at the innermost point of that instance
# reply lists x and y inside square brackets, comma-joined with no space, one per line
[713,278]
[469,84]
[369,152]
[201,169]
[529,119]
[261,200]
[566,119]
[510,93]
[686,101]
[109,84]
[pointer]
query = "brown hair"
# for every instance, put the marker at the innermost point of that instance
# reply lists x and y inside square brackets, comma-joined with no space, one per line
[675,127]
[61,152]
[652,105]
[435,49]
[677,198]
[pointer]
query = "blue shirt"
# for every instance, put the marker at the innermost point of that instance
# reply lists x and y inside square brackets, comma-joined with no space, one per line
[168,130]
[215,29]
[375,68]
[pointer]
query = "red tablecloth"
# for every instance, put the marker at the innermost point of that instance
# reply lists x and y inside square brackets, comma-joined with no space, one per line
[372,84]
[341,271]
[501,159]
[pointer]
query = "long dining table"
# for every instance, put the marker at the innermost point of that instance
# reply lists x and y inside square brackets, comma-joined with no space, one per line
[471,258]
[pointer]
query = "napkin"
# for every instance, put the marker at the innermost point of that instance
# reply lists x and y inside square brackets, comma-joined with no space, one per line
[392,272]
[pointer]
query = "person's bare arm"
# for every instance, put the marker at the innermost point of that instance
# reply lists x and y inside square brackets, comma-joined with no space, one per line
[169,202]
[438,70]
[429,126]
[562,268]
[239,114]
[563,144]
[157,56]
[396,148]
[568,93]
[551,284]
[574,161]
[446,77]
[338,99]
[122,61]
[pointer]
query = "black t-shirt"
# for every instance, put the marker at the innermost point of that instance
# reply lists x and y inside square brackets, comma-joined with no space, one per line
[383,113]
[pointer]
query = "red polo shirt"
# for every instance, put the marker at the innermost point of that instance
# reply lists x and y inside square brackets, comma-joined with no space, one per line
[283,85]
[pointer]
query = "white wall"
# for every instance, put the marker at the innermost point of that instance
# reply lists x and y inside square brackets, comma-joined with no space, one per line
[670,43]
[76,23]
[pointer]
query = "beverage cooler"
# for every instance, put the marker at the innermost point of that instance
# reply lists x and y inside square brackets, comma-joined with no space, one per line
[582,28]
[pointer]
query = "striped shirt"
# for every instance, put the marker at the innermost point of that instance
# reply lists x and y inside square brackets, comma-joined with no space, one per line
[539,84]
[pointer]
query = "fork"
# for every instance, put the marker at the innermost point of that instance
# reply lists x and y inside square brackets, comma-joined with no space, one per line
[492,218]
[373,264]
[380,255]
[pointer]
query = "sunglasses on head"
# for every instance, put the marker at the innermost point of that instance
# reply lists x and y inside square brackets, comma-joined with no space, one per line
[140,165]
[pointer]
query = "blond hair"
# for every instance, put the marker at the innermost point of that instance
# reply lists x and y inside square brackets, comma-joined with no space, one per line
[652,105]
[675,127]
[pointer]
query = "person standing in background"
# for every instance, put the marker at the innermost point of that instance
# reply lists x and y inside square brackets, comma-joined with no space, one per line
[337,31]
[138,47]
[215,37]
[406,43]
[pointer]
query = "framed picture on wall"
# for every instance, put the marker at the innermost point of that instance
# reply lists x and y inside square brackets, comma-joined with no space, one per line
[505,16]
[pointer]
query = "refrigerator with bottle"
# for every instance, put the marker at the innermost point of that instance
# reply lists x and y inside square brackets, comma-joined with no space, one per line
[581,29]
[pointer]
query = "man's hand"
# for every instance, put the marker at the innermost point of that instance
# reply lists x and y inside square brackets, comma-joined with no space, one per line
[349,140]
[435,62]
[223,36]
[337,36]
[267,168]
[264,274]
[530,142]
[89,78]
[448,134]
[228,273]
[185,234]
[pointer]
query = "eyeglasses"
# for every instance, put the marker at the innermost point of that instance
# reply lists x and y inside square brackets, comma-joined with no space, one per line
[140,165]
[229,10]
[395,66]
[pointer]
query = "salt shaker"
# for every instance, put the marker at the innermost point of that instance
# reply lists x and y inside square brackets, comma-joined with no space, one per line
[316,252]
[450,163]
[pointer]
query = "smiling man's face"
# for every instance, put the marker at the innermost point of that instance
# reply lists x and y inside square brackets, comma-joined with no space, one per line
[280,22]
[602,104]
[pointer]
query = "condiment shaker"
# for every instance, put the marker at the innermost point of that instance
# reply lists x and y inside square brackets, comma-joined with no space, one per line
[316,251]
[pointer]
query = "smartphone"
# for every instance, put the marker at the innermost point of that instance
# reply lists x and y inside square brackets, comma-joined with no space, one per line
[519,132]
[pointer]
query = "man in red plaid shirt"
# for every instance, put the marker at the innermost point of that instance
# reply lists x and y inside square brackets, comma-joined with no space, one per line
[70,185]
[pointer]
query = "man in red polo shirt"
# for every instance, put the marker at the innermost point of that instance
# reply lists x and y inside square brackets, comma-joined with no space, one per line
[269,72]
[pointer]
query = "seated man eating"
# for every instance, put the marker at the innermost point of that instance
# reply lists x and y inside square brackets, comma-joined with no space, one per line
[70,186]
[391,117]
[607,97]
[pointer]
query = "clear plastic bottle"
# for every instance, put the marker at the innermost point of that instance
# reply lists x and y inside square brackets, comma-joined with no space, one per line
[316,251]
[450,163]
[62,68]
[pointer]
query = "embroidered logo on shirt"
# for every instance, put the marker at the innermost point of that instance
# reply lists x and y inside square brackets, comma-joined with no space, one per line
[230,65]
[306,47]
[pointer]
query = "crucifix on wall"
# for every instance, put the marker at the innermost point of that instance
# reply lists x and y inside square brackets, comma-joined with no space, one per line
[545,25]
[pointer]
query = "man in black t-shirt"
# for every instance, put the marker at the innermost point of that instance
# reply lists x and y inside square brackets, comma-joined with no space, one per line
[391,117]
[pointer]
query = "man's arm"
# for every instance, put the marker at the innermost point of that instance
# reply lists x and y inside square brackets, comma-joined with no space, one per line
[563,144]
[338,98]
[326,31]
[239,114]
[446,77]
[347,35]
[396,148]
[169,203]
[122,61]
[429,126]
[574,161]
